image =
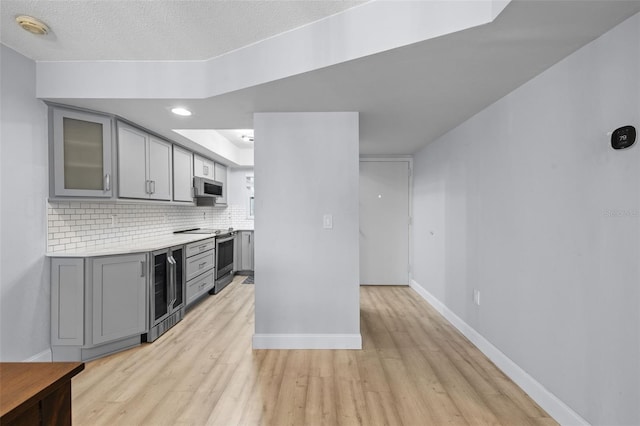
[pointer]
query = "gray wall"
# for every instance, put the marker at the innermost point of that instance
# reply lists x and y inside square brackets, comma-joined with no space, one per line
[24,271]
[527,202]
[307,278]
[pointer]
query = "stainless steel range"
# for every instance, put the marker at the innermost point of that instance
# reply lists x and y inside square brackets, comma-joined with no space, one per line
[224,260]
[225,241]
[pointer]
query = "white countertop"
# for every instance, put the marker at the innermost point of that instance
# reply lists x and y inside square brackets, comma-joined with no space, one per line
[135,246]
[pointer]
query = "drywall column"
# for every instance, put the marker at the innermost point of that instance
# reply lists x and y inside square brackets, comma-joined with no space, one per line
[307,277]
[24,269]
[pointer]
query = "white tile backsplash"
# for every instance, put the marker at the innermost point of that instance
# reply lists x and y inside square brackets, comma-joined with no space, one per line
[238,215]
[73,225]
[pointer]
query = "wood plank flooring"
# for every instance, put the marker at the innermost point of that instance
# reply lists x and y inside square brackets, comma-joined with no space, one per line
[414,369]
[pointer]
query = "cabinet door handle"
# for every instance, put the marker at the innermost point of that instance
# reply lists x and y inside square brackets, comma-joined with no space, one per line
[146,186]
[202,265]
[249,238]
[153,186]
[142,263]
[107,182]
[203,247]
[170,282]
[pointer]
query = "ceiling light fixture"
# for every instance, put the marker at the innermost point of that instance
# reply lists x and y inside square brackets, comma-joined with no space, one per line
[247,138]
[33,25]
[181,111]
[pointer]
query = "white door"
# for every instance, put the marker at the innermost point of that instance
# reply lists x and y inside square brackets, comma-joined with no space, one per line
[384,222]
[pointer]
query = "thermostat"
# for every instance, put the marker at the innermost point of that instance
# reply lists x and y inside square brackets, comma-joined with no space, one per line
[623,137]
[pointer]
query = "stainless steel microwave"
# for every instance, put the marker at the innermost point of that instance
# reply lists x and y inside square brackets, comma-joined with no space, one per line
[206,188]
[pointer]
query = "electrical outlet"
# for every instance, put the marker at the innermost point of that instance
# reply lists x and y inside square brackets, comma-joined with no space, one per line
[114,220]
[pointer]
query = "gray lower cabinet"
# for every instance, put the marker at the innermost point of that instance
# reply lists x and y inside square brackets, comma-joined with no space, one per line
[245,252]
[118,302]
[200,268]
[98,305]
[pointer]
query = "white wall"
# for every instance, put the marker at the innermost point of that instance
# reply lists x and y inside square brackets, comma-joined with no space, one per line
[307,278]
[237,185]
[238,197]
[24,271]
[527,202]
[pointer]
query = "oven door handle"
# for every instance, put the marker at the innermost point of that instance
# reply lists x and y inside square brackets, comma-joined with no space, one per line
[220,240]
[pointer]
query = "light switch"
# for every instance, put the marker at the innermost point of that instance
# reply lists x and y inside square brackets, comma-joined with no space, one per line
[327,221]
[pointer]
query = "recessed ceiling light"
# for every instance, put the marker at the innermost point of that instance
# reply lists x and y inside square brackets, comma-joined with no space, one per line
[33,25]
[181,111]
[247,138]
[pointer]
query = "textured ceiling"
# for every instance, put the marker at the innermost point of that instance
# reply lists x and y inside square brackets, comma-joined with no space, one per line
[407,97]
[154,29]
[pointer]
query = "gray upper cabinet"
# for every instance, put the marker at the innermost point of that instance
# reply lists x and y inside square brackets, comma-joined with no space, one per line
[118,302]
[144,165]
[82,154]
[203,167]
[220,175]
[182,174]
[132,158]
[160,169]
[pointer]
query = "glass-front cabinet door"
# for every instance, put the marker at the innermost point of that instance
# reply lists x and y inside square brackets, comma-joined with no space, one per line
[82,150]
[160,286]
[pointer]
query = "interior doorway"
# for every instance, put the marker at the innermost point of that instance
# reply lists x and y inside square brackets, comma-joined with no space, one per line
[385,219]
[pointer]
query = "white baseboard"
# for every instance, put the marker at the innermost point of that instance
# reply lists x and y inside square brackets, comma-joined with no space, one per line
[557,409]
[386,285]
[307,341]
[44,356]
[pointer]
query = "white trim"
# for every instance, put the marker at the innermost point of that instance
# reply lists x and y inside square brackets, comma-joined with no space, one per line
[44,356]
[307,341]
[557,409]
[394,158]
[385,284]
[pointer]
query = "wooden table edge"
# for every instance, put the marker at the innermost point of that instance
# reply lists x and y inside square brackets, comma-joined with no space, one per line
[8,413]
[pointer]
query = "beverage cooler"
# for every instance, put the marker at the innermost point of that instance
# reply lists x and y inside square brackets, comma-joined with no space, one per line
[166,291]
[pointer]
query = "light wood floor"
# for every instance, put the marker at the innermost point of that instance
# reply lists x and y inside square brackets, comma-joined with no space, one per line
[414,369]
